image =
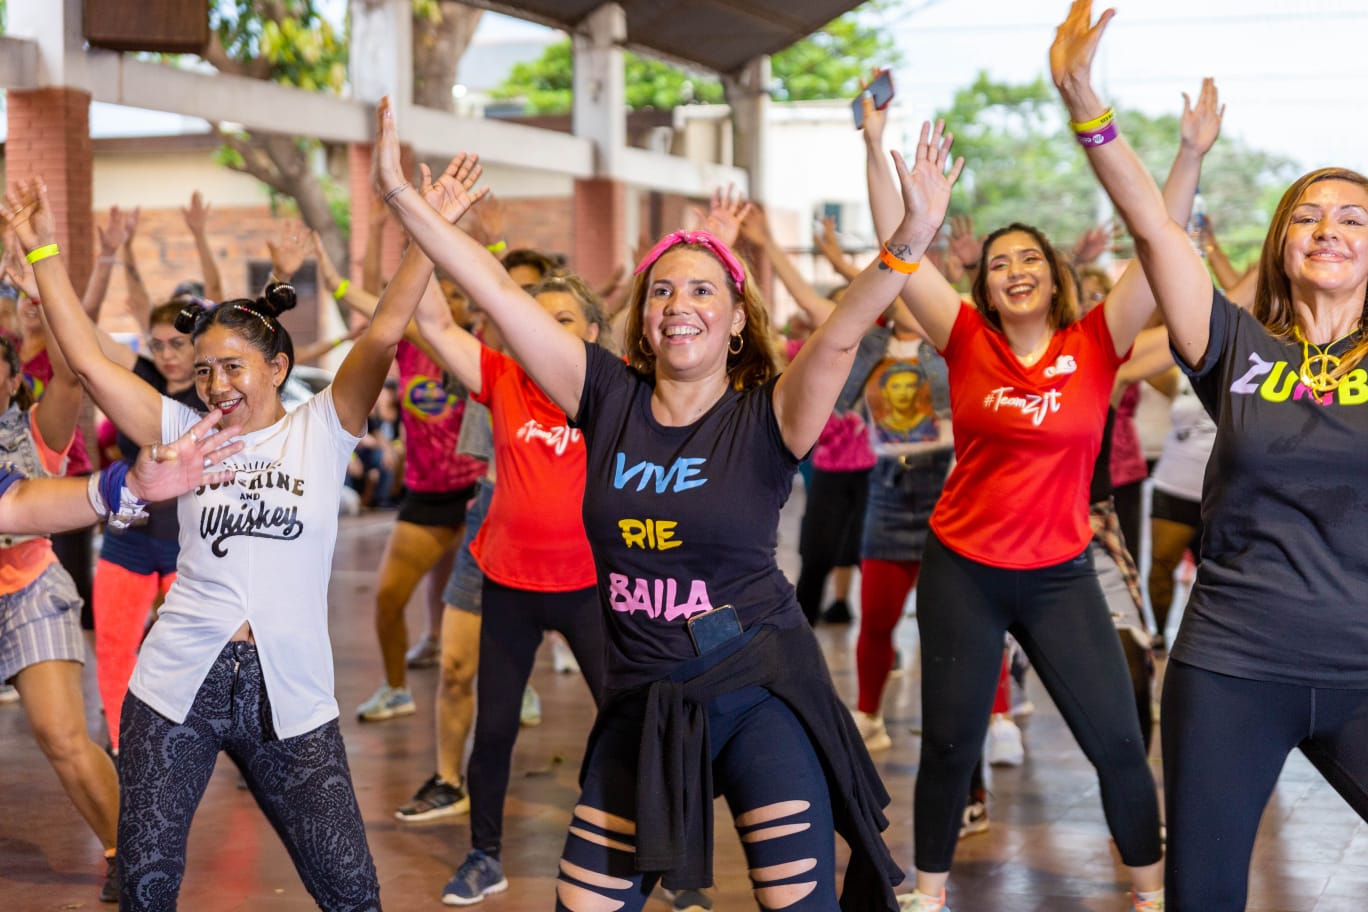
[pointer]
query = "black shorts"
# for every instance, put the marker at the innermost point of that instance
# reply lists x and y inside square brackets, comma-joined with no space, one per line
[435,508]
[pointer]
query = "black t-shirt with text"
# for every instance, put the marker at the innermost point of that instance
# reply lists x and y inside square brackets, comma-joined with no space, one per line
[680,519]
[1282,588]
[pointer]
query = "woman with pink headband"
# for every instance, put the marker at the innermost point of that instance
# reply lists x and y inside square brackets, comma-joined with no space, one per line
[715,683]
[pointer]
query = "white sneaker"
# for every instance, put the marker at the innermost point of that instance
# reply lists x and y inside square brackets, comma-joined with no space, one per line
[872,731]
[562,659]
[9,693]
[1004,746]
[530,714]
[975,819]
[387,703]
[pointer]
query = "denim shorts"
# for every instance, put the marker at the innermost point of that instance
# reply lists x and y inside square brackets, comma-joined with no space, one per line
[467,581]
[903,491]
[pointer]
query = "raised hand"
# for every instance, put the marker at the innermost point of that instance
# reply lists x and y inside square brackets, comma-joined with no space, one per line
[1075,45]
[289,252]
[755,227]
[387,169]
[196,214]
[874,119]
[168,470]
[1201,123]
[964,244]
[131,224]
[1091,244]
[451,193]
[14,269]
[327,270]
[26,213]
[926,186]
[113,235]
[725,214]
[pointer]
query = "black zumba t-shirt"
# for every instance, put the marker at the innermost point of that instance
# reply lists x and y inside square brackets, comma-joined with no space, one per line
[1282,588]
[680,519]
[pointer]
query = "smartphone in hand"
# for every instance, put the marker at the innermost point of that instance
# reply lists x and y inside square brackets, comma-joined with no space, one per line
[880,92]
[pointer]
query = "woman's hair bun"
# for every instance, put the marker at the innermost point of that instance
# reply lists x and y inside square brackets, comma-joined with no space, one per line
[278,298]
[189,317]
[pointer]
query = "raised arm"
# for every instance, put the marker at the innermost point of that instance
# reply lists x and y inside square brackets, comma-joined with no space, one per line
[139,301]
[129,402]
[452,346]
[806,393]
[1130,306]
[371,279]
[362,374]
[1176,274]
[197,220]
[829,245]
[111,238]
[755,229]
[930,298]
[555,358]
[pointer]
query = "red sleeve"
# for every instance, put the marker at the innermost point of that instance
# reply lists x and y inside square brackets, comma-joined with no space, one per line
[493,365]
[968,323]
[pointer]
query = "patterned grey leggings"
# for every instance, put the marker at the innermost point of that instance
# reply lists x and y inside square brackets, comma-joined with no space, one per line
[302,784]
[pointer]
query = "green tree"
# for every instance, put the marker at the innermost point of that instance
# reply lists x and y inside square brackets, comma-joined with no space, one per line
[827,64]
[1022,164]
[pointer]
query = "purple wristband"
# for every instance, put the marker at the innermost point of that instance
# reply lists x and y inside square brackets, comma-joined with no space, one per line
[111,484]
[1098,137]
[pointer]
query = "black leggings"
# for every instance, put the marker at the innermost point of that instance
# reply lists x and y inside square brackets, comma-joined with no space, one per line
[1060,619]
[1225,741]
[514,621]
[830,533]
[301,783]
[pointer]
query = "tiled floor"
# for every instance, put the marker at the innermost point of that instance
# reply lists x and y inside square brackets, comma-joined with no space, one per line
[1047,848]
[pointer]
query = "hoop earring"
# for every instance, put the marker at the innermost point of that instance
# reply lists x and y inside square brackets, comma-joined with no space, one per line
[645,349]
[740,341]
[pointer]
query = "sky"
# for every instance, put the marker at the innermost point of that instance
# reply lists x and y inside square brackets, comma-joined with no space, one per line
[1292,79]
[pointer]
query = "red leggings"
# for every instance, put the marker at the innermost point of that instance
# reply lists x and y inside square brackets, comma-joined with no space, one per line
[122,600]
[884,586]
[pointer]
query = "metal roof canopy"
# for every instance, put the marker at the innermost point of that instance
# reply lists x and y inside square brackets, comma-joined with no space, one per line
[715,34]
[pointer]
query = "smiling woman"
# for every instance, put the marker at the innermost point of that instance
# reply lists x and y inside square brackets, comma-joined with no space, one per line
[1272,654]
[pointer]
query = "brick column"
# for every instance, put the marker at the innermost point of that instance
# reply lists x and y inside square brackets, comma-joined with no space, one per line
[600,228]
[49,137]
[362,198]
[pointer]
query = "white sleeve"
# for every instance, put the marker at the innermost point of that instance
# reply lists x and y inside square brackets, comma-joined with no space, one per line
[177,419]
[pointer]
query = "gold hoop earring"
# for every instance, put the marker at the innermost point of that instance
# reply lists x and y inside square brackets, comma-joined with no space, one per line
[645,349]
[740,341]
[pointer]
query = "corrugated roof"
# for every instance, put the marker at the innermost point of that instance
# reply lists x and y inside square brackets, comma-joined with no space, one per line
[716,34]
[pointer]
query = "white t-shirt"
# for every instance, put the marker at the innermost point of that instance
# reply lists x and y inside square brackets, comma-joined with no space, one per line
[1182,466]
[257,550]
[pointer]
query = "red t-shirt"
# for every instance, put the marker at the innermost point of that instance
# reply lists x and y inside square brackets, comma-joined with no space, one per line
[1026,439]
[533,536]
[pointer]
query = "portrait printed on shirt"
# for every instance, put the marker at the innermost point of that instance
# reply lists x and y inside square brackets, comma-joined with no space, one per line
[898,394]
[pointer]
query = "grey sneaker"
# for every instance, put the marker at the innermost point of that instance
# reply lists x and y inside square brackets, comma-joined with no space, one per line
[434,799]
[423,654]
[477,877]
[386,703]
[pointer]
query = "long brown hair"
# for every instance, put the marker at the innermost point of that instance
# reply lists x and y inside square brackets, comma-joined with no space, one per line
[1273,296]
[752,366]
[1064,304]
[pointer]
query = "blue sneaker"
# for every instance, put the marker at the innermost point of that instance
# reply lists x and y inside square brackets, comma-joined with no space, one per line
[477,877]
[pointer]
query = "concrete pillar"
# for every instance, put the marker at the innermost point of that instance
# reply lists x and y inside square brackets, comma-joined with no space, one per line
[600,88]
[381,52]
[748,95]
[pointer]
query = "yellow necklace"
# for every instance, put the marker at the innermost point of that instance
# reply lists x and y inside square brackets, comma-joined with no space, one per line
[1318,365]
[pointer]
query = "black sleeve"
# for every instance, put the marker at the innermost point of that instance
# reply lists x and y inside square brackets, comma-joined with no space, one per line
[604,372]
[1207,379]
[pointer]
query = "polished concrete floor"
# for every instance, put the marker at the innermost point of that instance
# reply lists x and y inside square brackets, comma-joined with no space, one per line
[1046,849]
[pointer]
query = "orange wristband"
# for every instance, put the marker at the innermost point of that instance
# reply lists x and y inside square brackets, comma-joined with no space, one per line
[896,264]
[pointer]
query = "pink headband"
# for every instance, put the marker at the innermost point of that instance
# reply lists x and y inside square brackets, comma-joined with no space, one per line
[729,260]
